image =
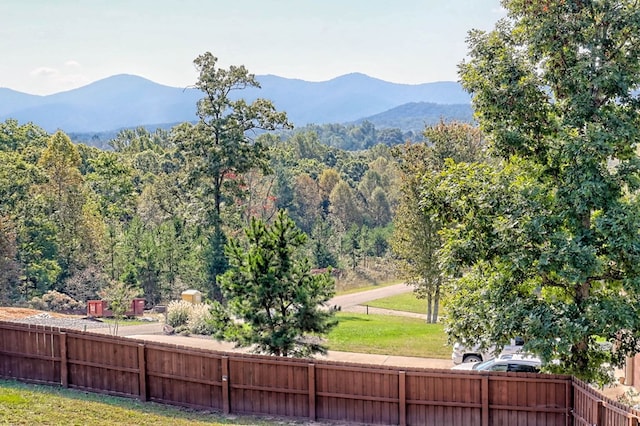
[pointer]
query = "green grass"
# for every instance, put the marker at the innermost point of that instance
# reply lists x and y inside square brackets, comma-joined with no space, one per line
[406,302]
[23,404]
[388,335]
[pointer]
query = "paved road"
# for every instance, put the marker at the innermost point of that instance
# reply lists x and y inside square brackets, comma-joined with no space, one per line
[354,299]
[357,302]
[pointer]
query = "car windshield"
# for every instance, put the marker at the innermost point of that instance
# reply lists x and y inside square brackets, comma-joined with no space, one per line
[483,365]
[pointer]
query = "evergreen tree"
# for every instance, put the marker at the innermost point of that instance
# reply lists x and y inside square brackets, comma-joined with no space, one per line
[274,302]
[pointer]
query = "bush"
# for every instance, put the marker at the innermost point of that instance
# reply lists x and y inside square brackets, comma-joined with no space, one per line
[187,318]
[200,320]
[178,313]
[56,301]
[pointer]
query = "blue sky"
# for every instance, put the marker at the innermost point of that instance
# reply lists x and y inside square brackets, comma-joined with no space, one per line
[49,46]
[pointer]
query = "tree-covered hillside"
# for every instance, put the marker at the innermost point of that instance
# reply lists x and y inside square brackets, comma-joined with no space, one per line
[74,217]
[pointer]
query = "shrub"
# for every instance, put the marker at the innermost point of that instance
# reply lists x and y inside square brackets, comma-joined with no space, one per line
[56,301]
[200,319]
[178,313]
[187,318]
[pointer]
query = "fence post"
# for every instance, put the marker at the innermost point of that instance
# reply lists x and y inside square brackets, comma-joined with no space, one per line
[600,416]
[225,385]
[142,372]
[64,369]
[312,391]
[568,394]
[484,395]
[402,397]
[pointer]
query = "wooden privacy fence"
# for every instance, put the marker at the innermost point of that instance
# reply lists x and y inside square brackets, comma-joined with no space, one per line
[300,388]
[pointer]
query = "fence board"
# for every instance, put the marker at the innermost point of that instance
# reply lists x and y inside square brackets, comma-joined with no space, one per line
[366,395]
[103,365]
[189,378]
[262,385]
[31,353]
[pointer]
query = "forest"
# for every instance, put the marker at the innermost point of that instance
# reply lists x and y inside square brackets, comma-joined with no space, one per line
[73,217]
[154,211]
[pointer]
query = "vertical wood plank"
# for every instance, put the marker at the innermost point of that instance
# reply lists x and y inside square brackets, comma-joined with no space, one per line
[64,368]
[225,385]
[600,414]
[312,391]
[484,395]
[402,398]
[142,372]
[568,402]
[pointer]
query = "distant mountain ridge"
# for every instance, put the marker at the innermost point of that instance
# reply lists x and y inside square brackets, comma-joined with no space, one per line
[124,100]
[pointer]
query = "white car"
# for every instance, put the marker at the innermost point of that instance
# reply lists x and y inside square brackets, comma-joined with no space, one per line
[461,354]
[514,362]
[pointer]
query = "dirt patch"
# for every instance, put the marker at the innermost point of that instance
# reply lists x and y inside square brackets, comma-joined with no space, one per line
[12,313]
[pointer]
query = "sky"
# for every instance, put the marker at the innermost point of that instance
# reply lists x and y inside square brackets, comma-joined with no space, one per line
[50,46]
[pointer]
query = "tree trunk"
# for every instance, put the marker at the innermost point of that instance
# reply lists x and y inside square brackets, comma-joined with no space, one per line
[436,301]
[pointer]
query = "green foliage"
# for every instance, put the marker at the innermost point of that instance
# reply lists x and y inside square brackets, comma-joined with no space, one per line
[274,302]
[9,266]
[546,242]
[201,320]
[218,147]
[156,210]
[416,238]
[321,242]
[355,137]
[351,245]
[186,317]
[119,295]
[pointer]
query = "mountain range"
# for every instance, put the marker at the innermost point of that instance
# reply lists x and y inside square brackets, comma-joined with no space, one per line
[123,101]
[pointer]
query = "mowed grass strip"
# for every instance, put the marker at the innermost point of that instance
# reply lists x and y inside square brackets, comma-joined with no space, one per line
[406,302]
[25,404]
[388,335]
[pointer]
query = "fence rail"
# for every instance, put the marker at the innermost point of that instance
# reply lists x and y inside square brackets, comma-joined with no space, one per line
[299,388]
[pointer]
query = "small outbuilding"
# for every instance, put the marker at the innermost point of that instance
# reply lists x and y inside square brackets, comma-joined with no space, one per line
[192,296]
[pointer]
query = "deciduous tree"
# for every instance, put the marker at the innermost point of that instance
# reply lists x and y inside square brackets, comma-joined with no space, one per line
[550,236]
[220,147]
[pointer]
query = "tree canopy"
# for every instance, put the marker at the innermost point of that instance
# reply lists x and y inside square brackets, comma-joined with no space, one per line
[546,243]
[219,148]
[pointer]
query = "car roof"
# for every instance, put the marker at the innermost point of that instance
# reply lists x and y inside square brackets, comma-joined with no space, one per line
[519,357]
[516,359]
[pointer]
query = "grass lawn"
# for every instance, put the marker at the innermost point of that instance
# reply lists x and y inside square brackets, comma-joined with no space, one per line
[388,335]
[406,302]
[23,404]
